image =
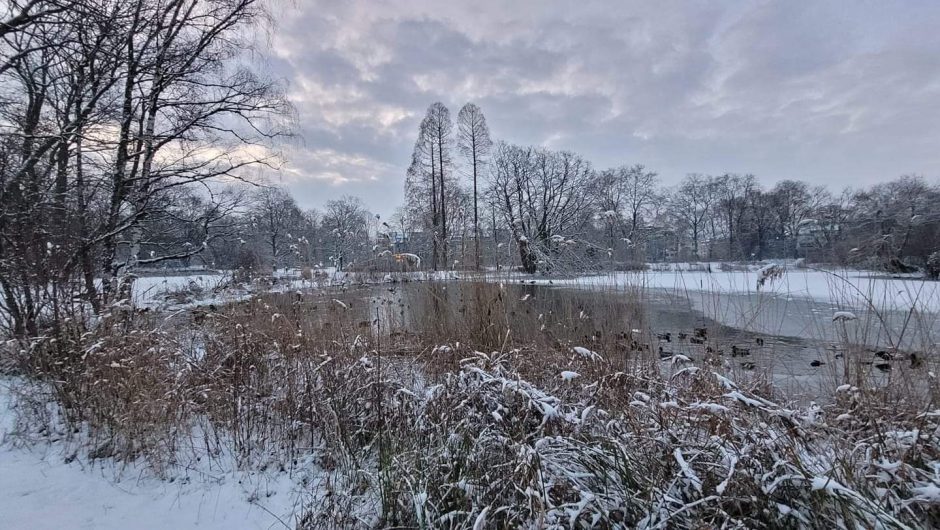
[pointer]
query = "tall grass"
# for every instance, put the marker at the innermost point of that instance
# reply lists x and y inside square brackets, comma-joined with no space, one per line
[473,406]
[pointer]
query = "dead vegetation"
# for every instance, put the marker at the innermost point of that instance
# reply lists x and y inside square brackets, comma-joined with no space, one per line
[488,414]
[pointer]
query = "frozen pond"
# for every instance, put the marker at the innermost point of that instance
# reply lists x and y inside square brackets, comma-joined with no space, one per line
[792,340]
[784,330]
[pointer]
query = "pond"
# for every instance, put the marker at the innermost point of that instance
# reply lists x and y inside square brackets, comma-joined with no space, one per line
[793,342]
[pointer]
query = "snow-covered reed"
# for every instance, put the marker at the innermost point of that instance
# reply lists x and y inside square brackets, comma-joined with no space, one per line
[433,430]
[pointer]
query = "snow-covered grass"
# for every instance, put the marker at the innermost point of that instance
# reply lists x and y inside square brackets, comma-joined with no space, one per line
[428,432]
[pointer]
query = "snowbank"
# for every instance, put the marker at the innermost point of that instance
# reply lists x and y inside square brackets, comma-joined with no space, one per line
[41,491]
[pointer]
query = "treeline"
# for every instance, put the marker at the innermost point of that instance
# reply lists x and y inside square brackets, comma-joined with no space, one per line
[271,231]
[556,210]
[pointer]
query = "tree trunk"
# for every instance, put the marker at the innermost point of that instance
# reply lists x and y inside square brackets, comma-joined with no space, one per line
[440,163]
[476,220]
[528,258]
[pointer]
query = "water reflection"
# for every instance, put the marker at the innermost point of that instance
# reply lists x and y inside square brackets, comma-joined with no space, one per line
[793,342]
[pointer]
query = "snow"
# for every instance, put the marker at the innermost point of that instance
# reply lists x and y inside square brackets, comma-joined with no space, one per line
[830,485]
[148,289]
[678,358]
[842,316]
[340,303]
[927,493]
[480,522]
[843,287]
[687,470]
[586,353]
[41,491]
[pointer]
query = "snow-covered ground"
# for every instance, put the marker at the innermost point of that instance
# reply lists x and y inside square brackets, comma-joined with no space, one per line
[204,289]
[151,290]
[39,490]
[156,292]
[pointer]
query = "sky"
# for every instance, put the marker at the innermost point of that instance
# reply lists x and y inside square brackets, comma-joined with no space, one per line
[841,93]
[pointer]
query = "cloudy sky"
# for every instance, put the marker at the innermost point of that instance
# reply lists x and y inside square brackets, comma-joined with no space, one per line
[834,92]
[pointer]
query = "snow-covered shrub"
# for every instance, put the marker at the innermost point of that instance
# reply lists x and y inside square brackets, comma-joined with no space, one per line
[487,445]
[769,273]
[451,437]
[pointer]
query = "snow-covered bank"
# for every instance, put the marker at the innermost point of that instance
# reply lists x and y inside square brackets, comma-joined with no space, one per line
[49,486]
[174,292]
[40,491]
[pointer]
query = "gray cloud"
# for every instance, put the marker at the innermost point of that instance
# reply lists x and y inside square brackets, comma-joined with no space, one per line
[835,92]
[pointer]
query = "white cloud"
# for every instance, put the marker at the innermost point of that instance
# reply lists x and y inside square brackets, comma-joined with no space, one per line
[835,91]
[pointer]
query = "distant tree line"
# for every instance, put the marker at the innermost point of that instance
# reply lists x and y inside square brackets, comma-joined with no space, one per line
[554,209]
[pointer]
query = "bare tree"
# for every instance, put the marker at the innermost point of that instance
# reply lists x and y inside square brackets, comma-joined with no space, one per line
[278,223]
[440,129]
[181,97]
[345,222]
[111,108]
[610,189]
[421,182]
[20,14]
[758,222]
[473,139]
[897,219]
[429,175]
[794,202]
[732,192]
[625,195]
[57,72]
[640,195]
[540,194]
[691,204]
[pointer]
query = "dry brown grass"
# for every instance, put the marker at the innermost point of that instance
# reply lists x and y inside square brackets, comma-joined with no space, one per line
[464,418]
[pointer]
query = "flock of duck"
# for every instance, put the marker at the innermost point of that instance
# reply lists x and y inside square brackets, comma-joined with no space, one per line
[880,359]
[699,337]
